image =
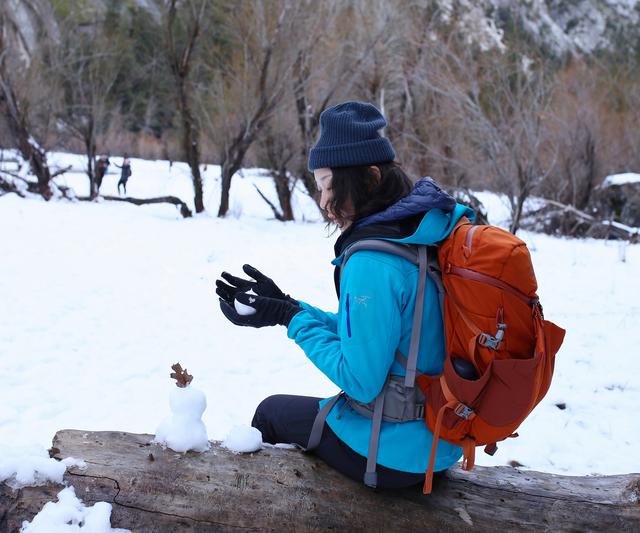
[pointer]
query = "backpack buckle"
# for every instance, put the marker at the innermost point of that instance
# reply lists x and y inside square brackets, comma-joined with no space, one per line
[463,411]
[491,342]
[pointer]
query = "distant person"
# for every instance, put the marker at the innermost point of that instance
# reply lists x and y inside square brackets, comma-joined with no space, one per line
[101,169]
[124,174]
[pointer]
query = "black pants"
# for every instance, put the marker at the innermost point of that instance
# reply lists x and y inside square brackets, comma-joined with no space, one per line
[288,419]
[124,186]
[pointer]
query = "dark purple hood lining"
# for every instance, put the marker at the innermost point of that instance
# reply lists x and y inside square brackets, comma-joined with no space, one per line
[426,194]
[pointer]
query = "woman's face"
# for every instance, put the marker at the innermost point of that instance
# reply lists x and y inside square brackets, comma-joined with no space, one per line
[323,178]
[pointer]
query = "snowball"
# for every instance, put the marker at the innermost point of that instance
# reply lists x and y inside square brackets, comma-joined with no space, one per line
[243,439]
[184,429]
[70,514]
[26,469]
[243,309]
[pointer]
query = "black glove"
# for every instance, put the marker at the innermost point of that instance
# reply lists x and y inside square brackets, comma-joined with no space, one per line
[269,311]
[262,286]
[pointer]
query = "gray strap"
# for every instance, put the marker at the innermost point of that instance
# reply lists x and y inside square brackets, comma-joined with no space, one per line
[378,245]
[416,329]
[370,475]
[436,275]
[408,253]
[318,424]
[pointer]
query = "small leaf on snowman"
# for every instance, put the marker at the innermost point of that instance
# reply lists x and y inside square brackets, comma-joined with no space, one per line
[181,376]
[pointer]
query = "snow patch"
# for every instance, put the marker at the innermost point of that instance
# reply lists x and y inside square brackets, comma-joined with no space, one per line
[621,179]
[20,468]
[69,514]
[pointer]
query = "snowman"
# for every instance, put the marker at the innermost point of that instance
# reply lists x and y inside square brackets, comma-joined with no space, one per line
[184,429]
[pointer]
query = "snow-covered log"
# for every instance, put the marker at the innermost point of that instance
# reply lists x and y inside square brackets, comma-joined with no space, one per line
[157,490]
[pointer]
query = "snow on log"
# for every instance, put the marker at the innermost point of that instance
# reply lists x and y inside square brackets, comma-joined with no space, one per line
[157,490]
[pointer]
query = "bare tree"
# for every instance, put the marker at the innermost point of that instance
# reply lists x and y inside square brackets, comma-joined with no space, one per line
[331,65]
[85,65]
[181,59]
[501,102]
[577,128]
[250,82]
[276,148]
[17,56]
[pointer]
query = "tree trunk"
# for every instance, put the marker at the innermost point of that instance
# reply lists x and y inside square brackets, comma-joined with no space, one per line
[190,146]
[284,193]
[231,163]
[90,150]
[30,150]
[157,490]
[180,68]
[225,183]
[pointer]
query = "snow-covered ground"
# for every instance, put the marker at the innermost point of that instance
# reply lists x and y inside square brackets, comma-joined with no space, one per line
[98,300]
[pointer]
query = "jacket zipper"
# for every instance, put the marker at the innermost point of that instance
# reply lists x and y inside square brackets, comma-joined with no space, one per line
[348,317]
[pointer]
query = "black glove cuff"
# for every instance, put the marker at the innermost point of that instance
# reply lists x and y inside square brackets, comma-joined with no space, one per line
[291,300]
[292,310]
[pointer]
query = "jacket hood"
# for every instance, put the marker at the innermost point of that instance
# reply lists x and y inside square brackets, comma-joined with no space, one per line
[425,216]
[426,194]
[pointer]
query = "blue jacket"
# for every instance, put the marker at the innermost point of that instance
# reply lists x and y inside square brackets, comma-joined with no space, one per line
[355,347]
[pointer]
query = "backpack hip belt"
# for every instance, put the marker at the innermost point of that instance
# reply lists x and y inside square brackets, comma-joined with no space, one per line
[401,404]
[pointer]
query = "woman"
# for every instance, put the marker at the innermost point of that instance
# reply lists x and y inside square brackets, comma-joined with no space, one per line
[366,195]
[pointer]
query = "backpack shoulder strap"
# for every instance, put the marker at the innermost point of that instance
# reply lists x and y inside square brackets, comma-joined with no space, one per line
[409,252]
[425,257]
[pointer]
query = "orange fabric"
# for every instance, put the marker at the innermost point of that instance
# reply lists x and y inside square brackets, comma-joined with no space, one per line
[489,282]
[468,453]
[428,480]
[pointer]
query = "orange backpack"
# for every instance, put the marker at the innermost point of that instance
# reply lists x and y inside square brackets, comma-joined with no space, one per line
[494,327]
[499,349]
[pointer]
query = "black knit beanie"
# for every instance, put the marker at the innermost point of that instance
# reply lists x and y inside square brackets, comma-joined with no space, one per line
[349,137]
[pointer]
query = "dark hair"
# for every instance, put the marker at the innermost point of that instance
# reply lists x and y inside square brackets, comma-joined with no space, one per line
[358,188]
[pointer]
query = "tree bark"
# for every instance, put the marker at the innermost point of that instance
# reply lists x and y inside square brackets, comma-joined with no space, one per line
[231,163]
[284,193]
[157,490]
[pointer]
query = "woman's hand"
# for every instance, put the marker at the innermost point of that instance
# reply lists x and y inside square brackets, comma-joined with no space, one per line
[260,285]
[268,311]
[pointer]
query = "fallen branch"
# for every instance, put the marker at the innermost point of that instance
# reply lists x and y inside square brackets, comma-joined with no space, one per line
[9,186]
[276,213]
[582,225]
[61,171]
[184,209]
[157,490]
